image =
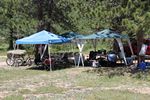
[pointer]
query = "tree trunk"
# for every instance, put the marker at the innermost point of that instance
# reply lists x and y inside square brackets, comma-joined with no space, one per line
[11,47]
[140,38]
[41,26]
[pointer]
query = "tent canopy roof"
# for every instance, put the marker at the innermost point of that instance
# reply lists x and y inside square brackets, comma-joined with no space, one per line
[72,35]
[107,33]
[43,37]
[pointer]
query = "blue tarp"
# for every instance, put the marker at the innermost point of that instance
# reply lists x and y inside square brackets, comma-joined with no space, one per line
[43,37]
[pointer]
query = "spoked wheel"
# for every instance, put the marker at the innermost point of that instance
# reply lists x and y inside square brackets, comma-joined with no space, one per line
[18,62]
[29,62]
[10,61]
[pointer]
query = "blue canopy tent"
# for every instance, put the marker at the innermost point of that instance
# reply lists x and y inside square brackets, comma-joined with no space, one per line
[43,37]
[107,33]
[78,39]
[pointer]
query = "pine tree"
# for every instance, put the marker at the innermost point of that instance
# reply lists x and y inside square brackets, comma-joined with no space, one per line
[16,21]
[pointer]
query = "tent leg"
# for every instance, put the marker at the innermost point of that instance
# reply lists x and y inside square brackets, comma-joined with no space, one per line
[82,60]
[80,46]
[122,50]
[79,60]
[74,55]
[43,51]
[50,65]
[129,43]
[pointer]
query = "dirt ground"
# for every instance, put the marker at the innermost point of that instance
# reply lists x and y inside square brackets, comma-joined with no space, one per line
[2,61]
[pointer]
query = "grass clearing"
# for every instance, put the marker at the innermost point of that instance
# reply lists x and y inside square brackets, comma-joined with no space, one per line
[14,97]
[25,91]
[110,95]
[14,73]
[49,89]
[92,79]
[84,83]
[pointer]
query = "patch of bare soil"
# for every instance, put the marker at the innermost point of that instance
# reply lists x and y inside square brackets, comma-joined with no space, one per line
[3,64]
[2,61]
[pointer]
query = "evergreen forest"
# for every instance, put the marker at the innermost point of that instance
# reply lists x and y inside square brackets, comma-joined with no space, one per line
[20,18]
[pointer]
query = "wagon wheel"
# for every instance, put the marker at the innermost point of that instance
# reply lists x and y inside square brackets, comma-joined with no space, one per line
[18,62]
[29,61]
[10,61]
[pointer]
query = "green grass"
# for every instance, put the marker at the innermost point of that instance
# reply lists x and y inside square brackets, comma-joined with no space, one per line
[72,83]
[110,95]
[14,97]
[43,90]
[49,89]
[14,73]
[93,80]
[25,91]
[113,78]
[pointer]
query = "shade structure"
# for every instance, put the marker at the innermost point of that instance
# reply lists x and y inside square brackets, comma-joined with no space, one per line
[107,33]
[93,36]
[78,39]
[72,35]
[43,37]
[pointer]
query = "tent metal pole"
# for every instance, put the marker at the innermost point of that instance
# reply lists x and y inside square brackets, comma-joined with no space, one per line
[122,50]
[73,54]
[44,51]
[79,60]
[80,46]
[50,65]
[82,60]
[94,42]
[129,43]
